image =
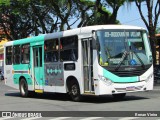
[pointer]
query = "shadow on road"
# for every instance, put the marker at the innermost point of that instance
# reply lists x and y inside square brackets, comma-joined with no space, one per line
[86,99]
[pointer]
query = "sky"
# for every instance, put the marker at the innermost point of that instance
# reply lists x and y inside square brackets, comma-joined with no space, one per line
[129,15]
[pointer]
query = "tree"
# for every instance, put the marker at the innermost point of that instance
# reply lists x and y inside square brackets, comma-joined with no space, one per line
[65,10]
[158,30]
[11,22]
[96,13]
[19,18]
[110,18]
[151,23]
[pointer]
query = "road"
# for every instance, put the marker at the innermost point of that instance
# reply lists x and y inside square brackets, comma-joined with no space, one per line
[10,100]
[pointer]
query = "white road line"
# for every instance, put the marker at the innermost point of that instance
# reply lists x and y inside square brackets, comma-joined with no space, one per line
[60,118]
[31,118]
[91,118]
[5,118]
[128,118]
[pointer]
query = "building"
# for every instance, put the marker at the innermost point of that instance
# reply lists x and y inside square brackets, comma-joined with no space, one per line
[3,40]
[158,49]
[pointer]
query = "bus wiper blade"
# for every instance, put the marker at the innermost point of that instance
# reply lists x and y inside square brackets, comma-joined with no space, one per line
[122,59]
[139,59]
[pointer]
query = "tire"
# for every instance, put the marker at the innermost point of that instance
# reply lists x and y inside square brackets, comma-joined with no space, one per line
[23,86]
[74,92]
[119,96]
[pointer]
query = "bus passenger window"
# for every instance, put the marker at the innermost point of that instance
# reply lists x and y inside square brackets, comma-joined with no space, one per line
[25,54]
[9,55]
[69,51]
[16,54]
[51,50]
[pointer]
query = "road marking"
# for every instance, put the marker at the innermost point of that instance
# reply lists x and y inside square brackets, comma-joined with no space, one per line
[91,118]
[60,118]
[5,118]
[129,118]
[31,118]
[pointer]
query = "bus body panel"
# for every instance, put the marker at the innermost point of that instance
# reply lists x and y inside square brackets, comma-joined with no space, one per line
[8,76]
[145,82]
[13,72]
[54,76]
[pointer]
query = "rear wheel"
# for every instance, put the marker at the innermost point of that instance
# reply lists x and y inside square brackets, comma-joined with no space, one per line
[23,88]
[74,92]
[119,96]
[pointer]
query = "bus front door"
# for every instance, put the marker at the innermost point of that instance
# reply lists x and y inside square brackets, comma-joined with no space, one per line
[87,53]
[37,68]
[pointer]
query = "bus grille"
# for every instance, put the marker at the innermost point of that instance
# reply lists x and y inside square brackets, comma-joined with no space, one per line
[129,73]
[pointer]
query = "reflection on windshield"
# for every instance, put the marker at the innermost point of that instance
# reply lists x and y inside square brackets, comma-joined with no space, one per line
[113,44]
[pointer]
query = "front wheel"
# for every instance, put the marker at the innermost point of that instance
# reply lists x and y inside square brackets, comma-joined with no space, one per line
[23,88]
[119,96]
[74,92]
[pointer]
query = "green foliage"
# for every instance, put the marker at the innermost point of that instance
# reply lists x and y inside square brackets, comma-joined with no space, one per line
[158,30]
[4,2]
[114,3]
[21,18]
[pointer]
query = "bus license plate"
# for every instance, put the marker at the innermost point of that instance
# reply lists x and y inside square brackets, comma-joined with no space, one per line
[131,88]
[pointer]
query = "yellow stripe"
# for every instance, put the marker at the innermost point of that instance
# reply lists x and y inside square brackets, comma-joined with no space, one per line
[39,91]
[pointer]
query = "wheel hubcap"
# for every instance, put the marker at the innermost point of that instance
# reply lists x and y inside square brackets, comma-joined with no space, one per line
[74,90]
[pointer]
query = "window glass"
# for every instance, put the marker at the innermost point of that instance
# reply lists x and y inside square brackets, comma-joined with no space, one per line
[16,55]
[25,53]
[35,57]
[69,48]
[51,48]
[8,55]
[122,47]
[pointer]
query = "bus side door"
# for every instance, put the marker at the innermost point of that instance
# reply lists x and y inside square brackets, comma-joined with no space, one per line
[87,54]
[38,67]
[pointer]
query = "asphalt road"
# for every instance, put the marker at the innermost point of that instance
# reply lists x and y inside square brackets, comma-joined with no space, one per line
[10,100]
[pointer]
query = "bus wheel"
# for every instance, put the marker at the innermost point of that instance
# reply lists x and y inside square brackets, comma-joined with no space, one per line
[119,96]
[23,88]
[74,92]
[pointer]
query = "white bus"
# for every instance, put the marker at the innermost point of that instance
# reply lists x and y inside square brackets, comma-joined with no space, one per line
[93,60]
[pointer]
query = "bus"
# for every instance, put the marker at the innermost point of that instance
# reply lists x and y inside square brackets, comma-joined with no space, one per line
[93,60]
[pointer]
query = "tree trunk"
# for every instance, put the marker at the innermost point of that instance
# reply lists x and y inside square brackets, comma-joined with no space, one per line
[153,45]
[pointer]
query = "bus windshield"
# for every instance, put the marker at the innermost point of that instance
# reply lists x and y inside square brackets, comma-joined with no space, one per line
[123,48]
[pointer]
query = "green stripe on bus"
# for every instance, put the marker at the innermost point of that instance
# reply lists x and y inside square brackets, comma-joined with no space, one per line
[20,70]
[116,79]
[27,77]
[29,40]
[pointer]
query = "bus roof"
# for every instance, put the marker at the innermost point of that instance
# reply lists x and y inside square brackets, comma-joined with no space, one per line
[89,29]
[76,31]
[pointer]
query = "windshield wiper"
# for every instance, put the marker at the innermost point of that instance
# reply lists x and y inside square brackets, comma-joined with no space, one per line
[125,53]
[139,59]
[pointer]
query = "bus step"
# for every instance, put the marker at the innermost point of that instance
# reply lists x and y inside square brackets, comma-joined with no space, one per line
[88,93]
[39,91]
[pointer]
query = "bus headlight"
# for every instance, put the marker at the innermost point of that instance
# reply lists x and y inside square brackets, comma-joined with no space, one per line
[105,80]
